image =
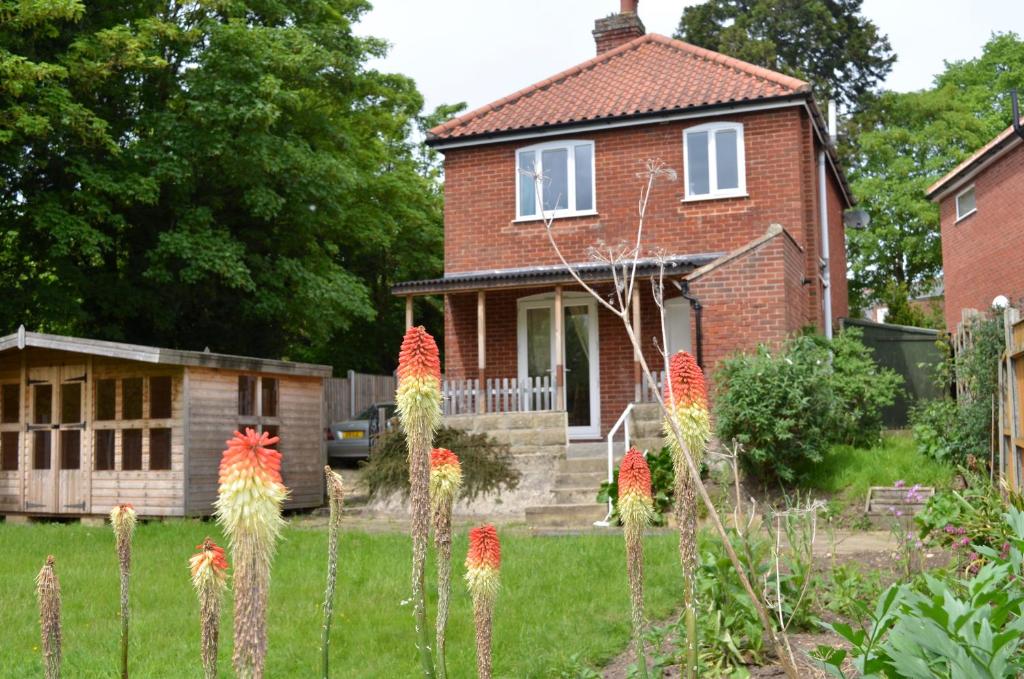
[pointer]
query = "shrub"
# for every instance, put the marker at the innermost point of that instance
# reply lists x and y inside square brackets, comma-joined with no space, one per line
[486,464]
[785,407]
[862,390]
[953,430]
[778,406]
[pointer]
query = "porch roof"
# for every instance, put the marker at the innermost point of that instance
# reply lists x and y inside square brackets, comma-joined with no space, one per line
[591,272]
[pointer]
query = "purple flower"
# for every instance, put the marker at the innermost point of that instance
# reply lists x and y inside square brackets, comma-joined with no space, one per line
[899,484]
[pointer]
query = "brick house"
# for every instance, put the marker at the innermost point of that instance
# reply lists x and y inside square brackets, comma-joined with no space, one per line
[752,229]
[981,213]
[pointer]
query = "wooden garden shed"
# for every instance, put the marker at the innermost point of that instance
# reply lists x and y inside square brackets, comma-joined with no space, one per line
[87,424]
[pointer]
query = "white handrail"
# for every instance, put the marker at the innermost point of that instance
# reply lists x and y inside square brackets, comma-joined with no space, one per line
[623,420]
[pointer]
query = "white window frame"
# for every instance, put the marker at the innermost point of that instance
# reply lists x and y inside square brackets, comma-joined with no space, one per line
[714,193]
[956,203]
[569,145]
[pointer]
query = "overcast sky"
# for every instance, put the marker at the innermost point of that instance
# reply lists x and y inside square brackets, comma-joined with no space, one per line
[480,50]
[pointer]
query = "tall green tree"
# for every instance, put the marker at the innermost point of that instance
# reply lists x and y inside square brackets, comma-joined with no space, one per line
[901,144]
[222,173]
[829,43]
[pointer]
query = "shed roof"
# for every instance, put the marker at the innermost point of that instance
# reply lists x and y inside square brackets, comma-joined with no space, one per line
[146,354]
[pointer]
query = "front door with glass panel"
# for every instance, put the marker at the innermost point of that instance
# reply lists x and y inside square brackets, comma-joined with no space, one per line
[538,357]
[56,473]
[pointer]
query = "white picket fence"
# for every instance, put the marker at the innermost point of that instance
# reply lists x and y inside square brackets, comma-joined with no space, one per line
[649,389]
[501,394]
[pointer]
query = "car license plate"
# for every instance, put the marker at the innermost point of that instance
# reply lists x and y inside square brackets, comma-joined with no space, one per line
[351,434]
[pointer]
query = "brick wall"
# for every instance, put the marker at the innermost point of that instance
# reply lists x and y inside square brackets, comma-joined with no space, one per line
[480,196]
[981,253]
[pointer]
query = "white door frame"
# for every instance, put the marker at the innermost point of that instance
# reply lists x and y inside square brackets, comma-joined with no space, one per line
[569,299]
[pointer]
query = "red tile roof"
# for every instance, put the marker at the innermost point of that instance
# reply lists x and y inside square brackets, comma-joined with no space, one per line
[975,162]
[649,75]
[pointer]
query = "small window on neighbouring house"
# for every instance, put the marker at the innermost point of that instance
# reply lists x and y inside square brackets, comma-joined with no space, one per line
[159,397]
[269,396]
[10,395]
[9,451]
[566,186]
[106,399]
[159,449]
[246,395]
[103,450]
[131,449]
[131,398]
[966,204]
[714,161]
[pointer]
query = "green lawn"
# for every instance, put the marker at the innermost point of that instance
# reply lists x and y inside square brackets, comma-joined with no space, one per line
[848,472]
[561,596]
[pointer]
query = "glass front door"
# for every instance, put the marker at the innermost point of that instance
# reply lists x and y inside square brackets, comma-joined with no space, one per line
[538,355]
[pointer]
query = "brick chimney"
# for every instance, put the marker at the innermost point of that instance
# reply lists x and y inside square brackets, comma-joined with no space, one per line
[619,28]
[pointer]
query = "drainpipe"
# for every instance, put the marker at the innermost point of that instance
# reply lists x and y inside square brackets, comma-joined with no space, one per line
[684,291]
[826,280]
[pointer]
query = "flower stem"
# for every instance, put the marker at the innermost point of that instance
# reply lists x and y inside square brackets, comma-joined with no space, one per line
[334,493]
[443,542]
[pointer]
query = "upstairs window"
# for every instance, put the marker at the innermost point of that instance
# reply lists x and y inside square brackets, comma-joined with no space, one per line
[566,187]
[965,204]
[714,161]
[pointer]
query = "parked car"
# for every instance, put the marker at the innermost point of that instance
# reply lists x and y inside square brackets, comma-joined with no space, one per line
[353,439]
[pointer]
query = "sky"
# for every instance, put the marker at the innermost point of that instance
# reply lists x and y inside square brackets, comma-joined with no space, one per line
[477,51]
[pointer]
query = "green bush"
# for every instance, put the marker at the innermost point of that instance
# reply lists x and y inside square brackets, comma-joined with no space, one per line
[862,390]
[486,464]
[785,407]
[951,430]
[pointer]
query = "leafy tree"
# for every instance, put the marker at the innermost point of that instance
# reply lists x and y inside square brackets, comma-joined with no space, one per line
[904,142]
[227,174]
[829,43]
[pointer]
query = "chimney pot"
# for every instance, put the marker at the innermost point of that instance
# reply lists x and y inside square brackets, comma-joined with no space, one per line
[628,6]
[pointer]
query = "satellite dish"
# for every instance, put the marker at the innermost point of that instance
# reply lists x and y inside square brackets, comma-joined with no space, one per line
[856,218]
[1000,302]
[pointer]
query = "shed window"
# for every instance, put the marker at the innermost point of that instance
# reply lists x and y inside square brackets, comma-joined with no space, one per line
[131,398]
[70,448]
[40,450]
[246,395]
[131,449]
[42,404]
[10,395]
[159,397]
[269,389]
[714,161]
[566,170]
[9,451]
[71,402]
[966,203]
[273,430]
[159,449]
[106,399]
[103,450]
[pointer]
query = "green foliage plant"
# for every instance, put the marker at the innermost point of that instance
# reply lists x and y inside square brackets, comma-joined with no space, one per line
[862,390]
[486,464]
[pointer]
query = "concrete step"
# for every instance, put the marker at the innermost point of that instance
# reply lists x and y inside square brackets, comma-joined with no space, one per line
[562,515]
[585,449]
[580,479]
[569,495]
[587,464]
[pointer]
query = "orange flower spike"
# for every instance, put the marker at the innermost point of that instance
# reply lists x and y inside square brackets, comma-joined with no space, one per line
[419,357]
[686,400]
[686,385]
[636,506]
[419,383]
[208,565]
[483,562]
[445,479]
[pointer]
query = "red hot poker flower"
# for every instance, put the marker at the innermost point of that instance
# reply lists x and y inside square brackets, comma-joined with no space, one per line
[686,380]
[419,356]
[634,474]
[484,548]
[440,457]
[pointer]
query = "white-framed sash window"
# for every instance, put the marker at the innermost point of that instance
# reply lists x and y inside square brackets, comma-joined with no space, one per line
[966,203]
[714,164]
[567,186]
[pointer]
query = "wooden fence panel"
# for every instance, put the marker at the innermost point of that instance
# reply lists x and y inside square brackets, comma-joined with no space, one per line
[1011,409]
[346,397]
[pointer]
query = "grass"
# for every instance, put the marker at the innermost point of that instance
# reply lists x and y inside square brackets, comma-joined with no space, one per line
[561,596]
[848,472]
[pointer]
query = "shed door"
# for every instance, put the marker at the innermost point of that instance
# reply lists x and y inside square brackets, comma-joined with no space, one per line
[57,468]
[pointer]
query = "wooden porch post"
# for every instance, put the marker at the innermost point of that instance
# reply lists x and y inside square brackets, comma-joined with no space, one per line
[559,352]
[408,311]
[481,351]
[637,372]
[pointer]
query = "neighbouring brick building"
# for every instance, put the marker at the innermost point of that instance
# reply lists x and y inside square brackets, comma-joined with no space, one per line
[981,211]
[751,229]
